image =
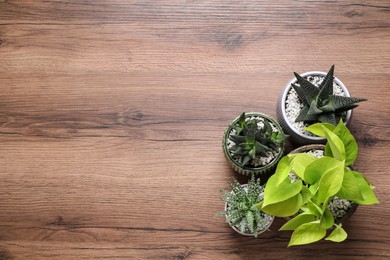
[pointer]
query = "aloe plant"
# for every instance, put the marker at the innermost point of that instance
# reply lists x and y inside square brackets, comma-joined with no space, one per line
[320,104]
[241,211]
[251,140]
[319,180]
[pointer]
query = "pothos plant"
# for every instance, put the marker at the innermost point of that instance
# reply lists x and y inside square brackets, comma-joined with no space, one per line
[319,180]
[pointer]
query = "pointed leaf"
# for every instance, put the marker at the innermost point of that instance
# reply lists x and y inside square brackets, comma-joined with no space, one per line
[335,144]
[309,90]
[307,233]
[284,208]
[315,170]
[314,110]
[304,116]
[282,170]
[350,189]
[366,190]
[317,128]
[331,181]
[297,221]
[326,88]
[341,103]
[277,193]
[350,144]
[300,162]
[337,235]
[328,118]
[327,219]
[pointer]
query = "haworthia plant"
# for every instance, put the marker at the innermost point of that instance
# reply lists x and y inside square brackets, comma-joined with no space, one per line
[320,104]
[242,211]
[252,141]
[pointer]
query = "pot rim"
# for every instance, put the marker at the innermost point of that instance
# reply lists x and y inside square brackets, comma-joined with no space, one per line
[284,96]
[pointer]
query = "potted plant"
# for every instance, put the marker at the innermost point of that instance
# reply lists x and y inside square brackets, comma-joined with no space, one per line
[253,143]
[340,208]
[241,213]
[313,97]
[317,182]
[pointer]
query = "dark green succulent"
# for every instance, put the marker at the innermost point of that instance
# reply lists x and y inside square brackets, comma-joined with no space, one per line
[251,141]
[320,104]
[241,211]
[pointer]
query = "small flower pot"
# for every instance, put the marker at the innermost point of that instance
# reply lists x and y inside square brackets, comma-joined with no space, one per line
[269,166]
[289,106]
[268,220]
[341,209]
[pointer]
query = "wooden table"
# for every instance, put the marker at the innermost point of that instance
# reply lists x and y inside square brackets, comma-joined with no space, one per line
[112,115]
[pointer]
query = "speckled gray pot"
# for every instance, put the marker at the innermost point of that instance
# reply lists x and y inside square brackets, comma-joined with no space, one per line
[248,233]
[296,136]
[307,148]
[246,170]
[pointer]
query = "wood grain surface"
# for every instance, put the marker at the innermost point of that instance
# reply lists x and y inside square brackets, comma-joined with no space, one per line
[112,115]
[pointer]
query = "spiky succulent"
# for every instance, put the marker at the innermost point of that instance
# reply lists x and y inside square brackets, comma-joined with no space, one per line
[320,104]
[241,211]
[254,138]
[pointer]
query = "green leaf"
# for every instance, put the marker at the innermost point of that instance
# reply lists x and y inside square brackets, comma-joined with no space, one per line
[350,144]
[299,162]
[284,208]
[336,145]
[331,181]
[317,128]
[328,117]
[314,208]
[274,193]
[309,90]
[297,221]
[337,235]
[250,219]
[366,190]
[306,194]
[307,233]
[326,87]
[241,120]
[315,170]
[282,170]
[327,219]
[350,189]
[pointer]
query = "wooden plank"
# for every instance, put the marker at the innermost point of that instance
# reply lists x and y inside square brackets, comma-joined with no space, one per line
[112,114]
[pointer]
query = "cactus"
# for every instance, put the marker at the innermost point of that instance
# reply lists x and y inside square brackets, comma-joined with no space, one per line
[252,141]
[320,104]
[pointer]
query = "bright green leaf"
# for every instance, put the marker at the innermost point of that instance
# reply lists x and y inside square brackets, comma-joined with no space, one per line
[276,193]
[299,163]
[350,189]
[350,144]
[317,128]
[306,194]
[331,181]
[335,144]
[337,235]
[327,219]
[282,170]
[315,170]
[366,190]
[284,208]
[297,221]
[307,233]
[314,208]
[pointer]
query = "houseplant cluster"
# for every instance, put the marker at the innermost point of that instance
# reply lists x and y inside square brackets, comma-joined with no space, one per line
[315,188]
